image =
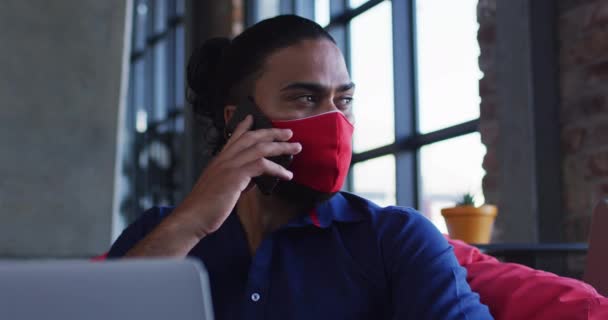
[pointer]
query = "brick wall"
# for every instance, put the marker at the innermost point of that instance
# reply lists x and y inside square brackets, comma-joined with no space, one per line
[583,70]
[583,59]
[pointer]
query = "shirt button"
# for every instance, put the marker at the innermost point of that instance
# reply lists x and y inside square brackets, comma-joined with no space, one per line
[255,297]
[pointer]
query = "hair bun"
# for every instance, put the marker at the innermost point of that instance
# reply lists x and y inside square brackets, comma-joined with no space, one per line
[204,78]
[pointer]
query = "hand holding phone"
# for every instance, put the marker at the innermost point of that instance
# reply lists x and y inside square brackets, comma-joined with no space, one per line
[219,187]
[265,183]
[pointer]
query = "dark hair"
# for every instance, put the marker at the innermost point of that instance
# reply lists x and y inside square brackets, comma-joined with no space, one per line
[221,71]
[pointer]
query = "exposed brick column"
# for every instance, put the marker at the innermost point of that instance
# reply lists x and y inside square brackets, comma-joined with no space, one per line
[583,45]
[583,58]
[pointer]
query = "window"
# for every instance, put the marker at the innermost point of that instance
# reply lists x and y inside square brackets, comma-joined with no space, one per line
[448,72]
[450,168]
[154,123]
[268,9]
[322,15]
[375,179]
[448,78]
[371,68]
[417,105]
[373,105]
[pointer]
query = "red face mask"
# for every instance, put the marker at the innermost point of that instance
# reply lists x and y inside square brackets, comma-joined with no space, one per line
[326,150]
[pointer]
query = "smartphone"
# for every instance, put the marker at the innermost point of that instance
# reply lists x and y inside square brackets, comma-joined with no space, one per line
[265,183]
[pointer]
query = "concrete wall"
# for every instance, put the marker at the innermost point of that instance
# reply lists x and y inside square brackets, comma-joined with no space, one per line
[61,66]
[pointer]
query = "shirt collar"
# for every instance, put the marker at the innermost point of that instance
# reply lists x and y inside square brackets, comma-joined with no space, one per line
[337,208]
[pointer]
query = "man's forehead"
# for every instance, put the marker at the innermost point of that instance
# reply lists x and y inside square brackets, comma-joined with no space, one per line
[310,61]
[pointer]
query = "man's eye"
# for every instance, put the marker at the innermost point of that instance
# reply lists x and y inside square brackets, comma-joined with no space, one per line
[306,99]
[344,102]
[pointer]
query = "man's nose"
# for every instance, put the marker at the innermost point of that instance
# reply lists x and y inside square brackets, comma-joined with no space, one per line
[329,105]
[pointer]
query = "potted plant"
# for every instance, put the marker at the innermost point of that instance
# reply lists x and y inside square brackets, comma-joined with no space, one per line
[469,223]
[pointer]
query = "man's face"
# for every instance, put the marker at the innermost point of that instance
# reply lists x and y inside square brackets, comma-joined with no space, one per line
[299,81]
[303,80]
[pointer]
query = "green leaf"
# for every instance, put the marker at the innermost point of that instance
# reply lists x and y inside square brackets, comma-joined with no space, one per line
[467,200]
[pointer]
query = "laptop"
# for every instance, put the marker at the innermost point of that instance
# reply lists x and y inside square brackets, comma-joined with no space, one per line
[122,289]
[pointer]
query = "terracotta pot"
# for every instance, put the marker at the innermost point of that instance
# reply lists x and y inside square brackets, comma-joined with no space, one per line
[470,224]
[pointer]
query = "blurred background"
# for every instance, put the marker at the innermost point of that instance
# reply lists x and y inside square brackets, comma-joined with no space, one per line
[506,100]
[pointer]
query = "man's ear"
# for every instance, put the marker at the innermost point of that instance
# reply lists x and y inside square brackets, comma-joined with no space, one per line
[228,113]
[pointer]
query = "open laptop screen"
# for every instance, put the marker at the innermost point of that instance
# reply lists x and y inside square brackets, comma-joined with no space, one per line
[122,289]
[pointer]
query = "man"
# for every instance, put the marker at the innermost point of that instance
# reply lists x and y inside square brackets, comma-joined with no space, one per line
[304,251]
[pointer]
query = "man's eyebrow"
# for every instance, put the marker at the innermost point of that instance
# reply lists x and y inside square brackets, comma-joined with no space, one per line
[346,87]
[315,87]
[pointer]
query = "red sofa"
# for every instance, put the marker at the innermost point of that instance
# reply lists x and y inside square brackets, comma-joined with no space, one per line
[513,291]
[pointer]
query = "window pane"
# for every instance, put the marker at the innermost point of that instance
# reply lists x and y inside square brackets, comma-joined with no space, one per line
[322,15]
[180,7]
[160,106]
[179,75]
[375,180]
[160,16]
[180,63]
[356,3]
[268,9]
[372,72]
[139,26]
[448,70]
[448,170]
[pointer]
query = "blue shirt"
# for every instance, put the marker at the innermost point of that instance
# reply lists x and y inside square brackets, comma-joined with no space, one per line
[347,259]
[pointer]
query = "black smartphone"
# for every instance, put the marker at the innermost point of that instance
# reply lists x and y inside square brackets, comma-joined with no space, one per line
[265,183]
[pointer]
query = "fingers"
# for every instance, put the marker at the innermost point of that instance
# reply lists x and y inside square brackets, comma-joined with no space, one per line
[241,128]
[246,151]
[264,166]
[251,138]
[265,150]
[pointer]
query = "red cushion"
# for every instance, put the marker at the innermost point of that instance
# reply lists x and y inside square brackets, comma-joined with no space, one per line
[514,291]
[100,258]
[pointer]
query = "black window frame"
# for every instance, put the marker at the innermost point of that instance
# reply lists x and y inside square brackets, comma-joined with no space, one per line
[156,62]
